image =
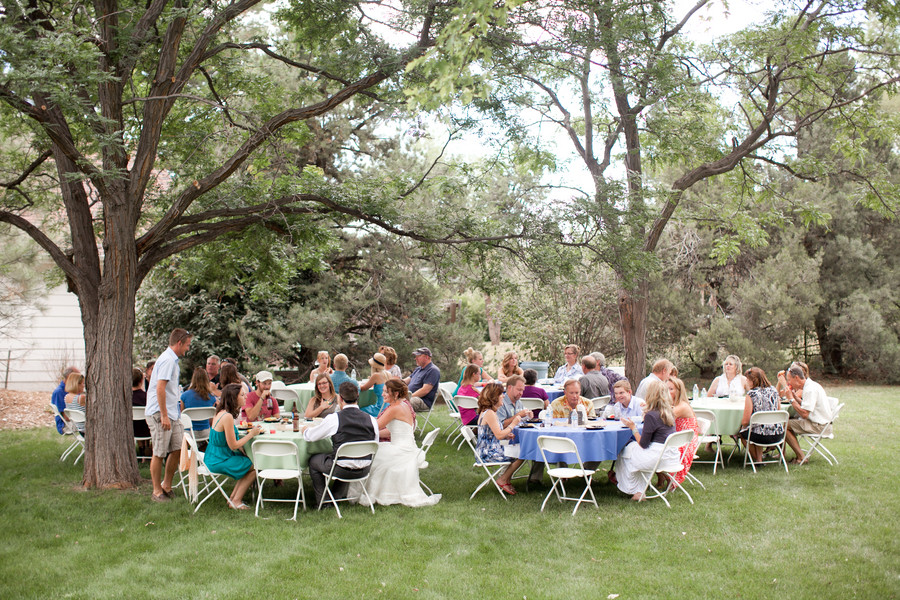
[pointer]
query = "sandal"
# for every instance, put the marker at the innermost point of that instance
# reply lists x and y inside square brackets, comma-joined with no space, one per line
[508,489]
[240,506]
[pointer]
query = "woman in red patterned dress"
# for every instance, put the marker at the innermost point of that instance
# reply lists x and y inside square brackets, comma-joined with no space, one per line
[684,419]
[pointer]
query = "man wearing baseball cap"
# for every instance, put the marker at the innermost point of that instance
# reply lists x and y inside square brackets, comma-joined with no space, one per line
[261,404]
[423,382]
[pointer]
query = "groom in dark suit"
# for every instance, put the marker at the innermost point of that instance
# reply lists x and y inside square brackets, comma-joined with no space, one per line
[350,424]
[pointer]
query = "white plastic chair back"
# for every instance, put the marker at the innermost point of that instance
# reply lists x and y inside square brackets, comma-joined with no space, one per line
[138,413]
[429,440]
[466,402]
[532,403]
[704,425]
[287,399]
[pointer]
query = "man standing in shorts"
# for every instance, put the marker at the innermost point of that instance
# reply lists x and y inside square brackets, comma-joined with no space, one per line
[162,413]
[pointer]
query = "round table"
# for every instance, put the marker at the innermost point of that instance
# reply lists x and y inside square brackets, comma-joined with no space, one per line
[594,445]
[307,449]
[728,413]
[553,391]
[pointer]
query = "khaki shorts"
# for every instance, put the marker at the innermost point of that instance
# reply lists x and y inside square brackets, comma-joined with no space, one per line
[799,426]
[164,441]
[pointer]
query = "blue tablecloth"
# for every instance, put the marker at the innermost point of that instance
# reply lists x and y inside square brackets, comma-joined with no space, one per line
[593,445]
[553,392]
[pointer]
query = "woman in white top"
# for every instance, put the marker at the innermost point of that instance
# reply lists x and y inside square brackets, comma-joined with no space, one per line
[731,381]
[323,368]
[390,366]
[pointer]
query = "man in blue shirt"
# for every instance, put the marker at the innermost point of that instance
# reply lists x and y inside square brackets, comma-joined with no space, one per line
[423,382]
[58,397]
[340,372]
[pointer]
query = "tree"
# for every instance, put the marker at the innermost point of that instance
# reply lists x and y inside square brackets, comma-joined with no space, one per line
[144,129]
[646,112]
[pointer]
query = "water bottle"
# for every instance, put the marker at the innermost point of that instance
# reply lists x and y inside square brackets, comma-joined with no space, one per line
[353,374]
[703,393]
[696,392]
[573,418]
[547,417]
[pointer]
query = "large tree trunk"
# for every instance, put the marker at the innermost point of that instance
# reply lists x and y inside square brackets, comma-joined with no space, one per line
[633,320]
[108,316]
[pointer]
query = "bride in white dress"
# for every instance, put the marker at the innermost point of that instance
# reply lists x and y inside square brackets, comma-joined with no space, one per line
[394,476]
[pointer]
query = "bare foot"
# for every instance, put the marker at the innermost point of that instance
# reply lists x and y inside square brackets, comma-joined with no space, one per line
[639,497]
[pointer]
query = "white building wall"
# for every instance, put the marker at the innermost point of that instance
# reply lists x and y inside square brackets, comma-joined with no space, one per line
[47,339]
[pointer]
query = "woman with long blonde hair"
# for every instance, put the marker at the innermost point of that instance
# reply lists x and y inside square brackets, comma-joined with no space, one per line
[473,357]
[642,454]
[509,366]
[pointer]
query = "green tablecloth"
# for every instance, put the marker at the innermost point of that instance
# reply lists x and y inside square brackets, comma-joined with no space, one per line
[305,391]
[307,449]
[728,413]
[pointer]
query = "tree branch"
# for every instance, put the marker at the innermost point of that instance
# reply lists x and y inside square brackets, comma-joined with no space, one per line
[65,263]
[28,170]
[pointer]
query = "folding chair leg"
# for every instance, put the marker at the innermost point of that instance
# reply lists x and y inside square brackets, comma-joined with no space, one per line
[550,493]
[693,479]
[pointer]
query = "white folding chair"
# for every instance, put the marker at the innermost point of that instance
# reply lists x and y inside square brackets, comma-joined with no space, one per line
[677,440]
[559,445]
[212,481]
[420,426]
[287,400]
[267,451]
[76,417]
[815,439]
[426,446]
[498,467]
[600,403]
[203,413]
[68,429]
[532,403]
[137,414]
[710,436]
[455,420]
[466,402]
[704,427]
[768,417]
[350,450]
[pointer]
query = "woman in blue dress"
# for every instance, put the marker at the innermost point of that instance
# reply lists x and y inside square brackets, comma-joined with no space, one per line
[491,431]
[376,382]
[223,453]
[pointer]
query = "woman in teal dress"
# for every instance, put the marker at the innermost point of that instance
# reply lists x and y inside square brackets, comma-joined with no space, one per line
[223,453]
[376,382]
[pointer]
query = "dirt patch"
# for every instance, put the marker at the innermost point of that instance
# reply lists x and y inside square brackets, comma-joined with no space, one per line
[24,410]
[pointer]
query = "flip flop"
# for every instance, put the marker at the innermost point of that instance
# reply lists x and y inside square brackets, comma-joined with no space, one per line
[508,489]
[240,506]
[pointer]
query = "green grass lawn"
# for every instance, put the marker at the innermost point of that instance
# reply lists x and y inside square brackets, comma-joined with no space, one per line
[819,532]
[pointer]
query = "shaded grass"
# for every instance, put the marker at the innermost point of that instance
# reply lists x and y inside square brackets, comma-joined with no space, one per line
[819,532]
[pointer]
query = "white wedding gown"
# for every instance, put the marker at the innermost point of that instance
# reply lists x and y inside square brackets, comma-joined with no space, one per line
[394,477]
